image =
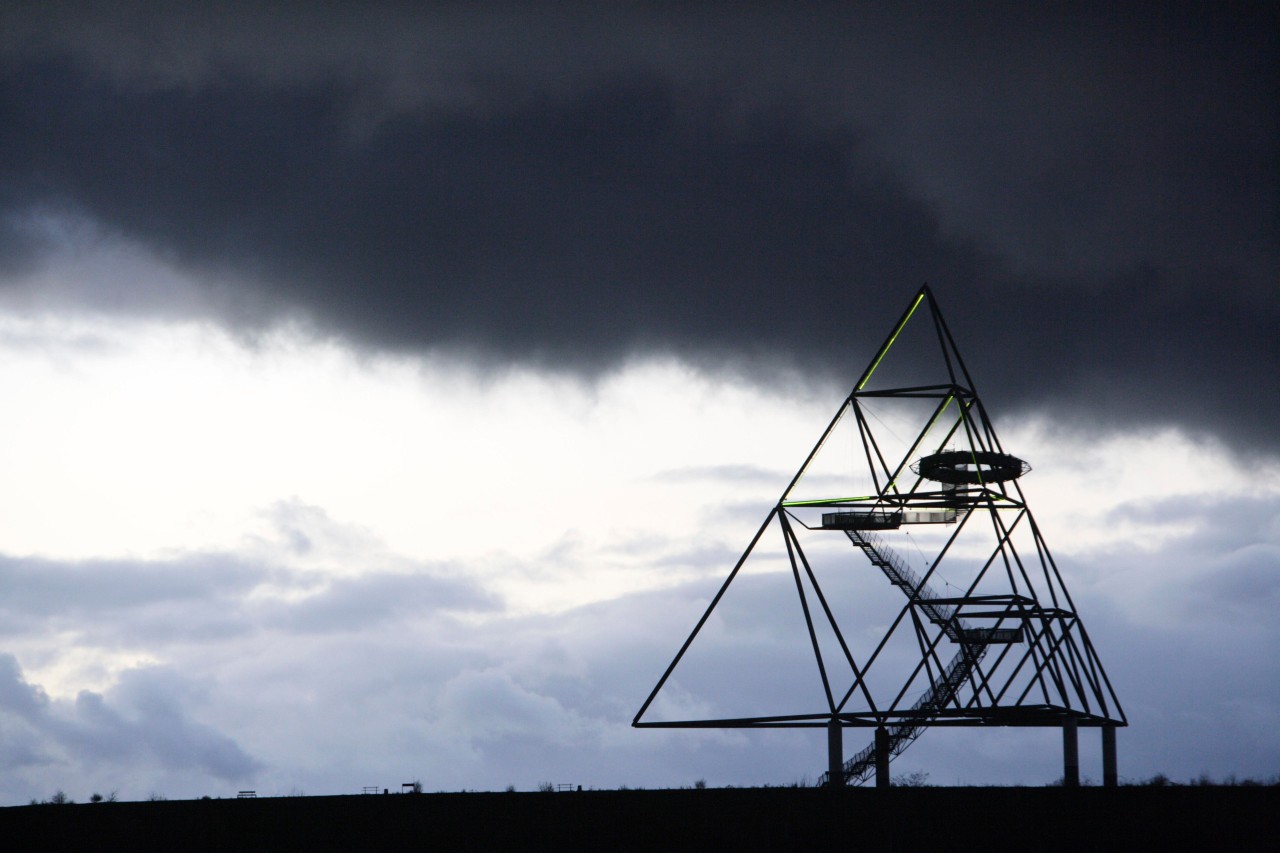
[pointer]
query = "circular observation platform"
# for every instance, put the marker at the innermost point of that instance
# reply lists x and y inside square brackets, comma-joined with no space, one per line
[970,468]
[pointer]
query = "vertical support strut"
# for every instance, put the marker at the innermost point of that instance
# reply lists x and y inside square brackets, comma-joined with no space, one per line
[882,757]
[1110,778]
[835,754]
[1070,754]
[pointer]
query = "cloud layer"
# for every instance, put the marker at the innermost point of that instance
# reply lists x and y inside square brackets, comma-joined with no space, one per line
[313,658]
[1092,191]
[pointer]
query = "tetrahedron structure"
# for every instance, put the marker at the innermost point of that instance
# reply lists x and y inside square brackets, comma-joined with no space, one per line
[909,483]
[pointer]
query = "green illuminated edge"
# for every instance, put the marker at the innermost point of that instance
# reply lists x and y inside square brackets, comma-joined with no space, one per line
[885,348]
[828,501]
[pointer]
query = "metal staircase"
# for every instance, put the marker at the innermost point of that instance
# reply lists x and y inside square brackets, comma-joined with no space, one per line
[901,576]
[973,646]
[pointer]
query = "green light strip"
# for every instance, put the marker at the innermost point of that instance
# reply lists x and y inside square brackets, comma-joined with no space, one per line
[973,454]
[828,501]
[934,420]
[885,349]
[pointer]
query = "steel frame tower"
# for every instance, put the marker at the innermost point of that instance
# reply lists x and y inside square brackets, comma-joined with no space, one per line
[1001,645]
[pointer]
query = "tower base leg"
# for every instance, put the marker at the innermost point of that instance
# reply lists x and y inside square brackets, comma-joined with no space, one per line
[1070,754]
[835,754]
[882,758]
[1110,778]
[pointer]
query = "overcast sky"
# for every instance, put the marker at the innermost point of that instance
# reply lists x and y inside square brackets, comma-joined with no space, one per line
[388,390]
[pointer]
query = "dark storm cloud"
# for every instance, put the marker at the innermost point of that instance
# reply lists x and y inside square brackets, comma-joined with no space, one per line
[1091,193]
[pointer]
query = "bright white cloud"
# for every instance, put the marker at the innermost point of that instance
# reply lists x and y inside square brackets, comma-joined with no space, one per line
[146,439]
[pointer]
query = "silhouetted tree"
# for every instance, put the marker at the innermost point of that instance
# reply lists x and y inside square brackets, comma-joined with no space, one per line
[914,779]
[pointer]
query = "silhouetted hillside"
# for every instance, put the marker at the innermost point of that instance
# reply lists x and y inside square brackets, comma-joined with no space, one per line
[1234,818]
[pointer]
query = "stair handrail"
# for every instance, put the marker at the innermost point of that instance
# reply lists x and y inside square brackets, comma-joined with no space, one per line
[970,654]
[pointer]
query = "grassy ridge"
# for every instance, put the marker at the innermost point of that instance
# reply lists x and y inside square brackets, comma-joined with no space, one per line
[1239,818]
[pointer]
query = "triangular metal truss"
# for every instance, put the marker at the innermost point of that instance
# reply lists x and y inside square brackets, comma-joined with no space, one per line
[985,631]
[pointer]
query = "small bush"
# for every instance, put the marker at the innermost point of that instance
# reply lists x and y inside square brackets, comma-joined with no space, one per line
[914,779]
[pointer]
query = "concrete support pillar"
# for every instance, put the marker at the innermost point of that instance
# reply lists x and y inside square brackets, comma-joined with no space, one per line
[835,754]
[1110,778]
[882,758]
[1070,754]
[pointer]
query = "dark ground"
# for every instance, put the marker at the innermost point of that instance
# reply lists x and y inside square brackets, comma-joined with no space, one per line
[906,819]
